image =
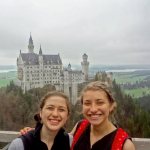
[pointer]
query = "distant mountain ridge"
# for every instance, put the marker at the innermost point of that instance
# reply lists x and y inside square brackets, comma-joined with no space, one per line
[93,67]
[5,67]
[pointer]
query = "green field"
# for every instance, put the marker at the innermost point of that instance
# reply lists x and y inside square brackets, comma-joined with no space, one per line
[122,78]
[133,77]
[138,92]
[4,82]
[5,78]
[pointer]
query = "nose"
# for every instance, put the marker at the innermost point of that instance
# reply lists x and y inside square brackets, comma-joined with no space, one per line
[55,112]
[93,107]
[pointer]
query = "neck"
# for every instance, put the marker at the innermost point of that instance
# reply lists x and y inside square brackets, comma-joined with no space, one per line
[103,129]
[48,136]
[99,131]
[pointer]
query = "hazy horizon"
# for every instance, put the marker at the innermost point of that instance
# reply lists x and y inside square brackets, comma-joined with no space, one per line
[130,66]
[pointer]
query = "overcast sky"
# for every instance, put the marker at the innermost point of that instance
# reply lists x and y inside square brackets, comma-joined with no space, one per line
[108,31]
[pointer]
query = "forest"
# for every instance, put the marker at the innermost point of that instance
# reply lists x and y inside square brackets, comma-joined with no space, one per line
[136,85]
[17,109]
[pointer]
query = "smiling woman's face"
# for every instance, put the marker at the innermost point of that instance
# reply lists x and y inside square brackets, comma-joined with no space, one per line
[96,106]
[54,113]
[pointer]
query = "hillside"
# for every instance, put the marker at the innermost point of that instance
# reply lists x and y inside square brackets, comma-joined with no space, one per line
[136,84]
[6,77]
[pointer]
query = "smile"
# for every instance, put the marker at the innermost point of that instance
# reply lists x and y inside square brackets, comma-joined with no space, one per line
[54,121]
[93,117]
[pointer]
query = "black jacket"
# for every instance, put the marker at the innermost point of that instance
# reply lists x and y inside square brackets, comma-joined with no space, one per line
[32,141]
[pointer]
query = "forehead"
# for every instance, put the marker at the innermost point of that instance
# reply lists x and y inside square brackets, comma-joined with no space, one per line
[98,94]
[56,100]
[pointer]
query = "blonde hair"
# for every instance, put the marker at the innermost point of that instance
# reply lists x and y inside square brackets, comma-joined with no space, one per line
[98,86]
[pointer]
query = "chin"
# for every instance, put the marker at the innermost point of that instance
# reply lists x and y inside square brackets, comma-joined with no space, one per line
[95,122]
[54,127]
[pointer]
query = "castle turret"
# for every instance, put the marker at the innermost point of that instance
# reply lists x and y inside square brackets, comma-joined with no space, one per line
[40,51]
[30,46]
[40,56]
[85,66]
[69,67]
[41,68]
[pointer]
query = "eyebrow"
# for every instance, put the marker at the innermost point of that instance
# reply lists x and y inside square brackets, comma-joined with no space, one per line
[99,99]
[54,106]
[87,100]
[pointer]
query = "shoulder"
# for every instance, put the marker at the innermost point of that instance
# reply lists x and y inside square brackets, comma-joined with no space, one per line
[82,123]
[74,129]
[70,138]
[128,145]
[122,140]
[16,144]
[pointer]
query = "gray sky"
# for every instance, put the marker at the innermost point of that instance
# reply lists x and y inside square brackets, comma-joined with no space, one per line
[108,31]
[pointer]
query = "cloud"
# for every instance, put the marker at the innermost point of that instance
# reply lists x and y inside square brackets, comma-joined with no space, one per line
[110,31]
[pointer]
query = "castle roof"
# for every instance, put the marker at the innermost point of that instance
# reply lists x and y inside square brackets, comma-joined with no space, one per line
[33,59]
[73,71]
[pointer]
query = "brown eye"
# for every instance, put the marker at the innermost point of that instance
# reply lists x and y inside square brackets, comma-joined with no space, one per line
[61,110]
[100,102]
[86,103]
[49,108]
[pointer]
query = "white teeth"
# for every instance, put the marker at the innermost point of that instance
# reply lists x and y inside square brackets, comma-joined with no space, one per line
[95,115]
[54,121]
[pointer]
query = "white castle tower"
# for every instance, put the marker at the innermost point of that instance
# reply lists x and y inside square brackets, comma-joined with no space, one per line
[85,66]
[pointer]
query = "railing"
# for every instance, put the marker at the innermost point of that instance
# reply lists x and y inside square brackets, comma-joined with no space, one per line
[141,143]
[8,136]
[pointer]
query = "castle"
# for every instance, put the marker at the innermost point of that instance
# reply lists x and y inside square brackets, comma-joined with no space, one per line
[37,70]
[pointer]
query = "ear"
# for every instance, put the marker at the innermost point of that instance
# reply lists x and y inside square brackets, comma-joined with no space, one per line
[68,116]
[112,107]
[40,113]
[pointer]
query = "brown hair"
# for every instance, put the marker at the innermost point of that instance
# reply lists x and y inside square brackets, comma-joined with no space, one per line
[98,86]
[48,95]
